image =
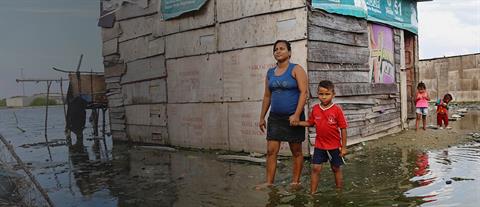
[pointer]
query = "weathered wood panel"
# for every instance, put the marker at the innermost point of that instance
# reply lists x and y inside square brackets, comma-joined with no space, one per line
[384,126]
[357,89]
[146,114]
[156,46]
[133,49]
[189,43]
[192,20]
[244,134]
[114,71]
[326,52]
[141,8]
[110,33]
[133,28]
[119,135]
[202,125]
[145,69]
[330,35]
[337,22]
[110,47]
[147,134]
[235,9]
[145,92]
[195,79]
[338,76]
[244,70]
[263,30]
[313,66]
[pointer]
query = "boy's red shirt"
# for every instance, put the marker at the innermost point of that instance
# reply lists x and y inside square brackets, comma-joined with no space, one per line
[328,123]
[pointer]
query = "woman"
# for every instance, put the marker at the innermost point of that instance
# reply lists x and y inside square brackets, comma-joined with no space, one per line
[285,94]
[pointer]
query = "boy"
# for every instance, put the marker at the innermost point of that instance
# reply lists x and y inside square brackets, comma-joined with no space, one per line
[330,144]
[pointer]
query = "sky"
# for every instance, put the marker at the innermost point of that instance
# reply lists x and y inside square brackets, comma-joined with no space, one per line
[36,35]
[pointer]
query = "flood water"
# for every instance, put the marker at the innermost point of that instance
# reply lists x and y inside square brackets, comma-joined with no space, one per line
[99,173]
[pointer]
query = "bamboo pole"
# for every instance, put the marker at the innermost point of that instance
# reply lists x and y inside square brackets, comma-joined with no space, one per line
[30,175]
[49,83]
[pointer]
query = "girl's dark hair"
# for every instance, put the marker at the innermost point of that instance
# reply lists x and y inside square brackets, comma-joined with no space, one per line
[421,85]
[326,84]
[289,47]
[449,96]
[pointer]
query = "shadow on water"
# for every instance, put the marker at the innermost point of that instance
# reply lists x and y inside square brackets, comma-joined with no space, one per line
[87,174]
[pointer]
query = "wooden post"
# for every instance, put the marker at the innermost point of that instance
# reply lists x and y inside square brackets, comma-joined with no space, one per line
[67,131]
[30,175]
[46,118]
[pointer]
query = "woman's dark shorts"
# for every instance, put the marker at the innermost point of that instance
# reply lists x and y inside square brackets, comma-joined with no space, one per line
[320,156]
[279,129]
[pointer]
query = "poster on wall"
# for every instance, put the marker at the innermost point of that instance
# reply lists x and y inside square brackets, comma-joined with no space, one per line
[381,61]
[398,13]
[174,8]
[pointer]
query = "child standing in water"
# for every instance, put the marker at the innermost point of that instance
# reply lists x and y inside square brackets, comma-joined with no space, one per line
[421,103]
[331,139]
[442,110]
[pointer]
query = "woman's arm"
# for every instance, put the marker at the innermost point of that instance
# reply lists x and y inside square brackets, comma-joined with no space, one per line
[265,105]
[302,83]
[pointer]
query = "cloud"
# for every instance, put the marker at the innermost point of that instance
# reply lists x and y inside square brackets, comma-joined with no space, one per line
[448,28]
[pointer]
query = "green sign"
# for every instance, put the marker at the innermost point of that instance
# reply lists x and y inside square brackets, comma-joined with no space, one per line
[175,8]
[397,13]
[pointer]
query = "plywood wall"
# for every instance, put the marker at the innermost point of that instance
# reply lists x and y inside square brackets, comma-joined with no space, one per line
[459,76]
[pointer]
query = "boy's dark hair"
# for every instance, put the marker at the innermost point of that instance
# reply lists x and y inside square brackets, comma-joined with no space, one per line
[289,47]
[421,85]
[449,96]
[326,84]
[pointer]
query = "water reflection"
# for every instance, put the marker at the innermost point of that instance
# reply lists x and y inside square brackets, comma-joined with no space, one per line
[97,174]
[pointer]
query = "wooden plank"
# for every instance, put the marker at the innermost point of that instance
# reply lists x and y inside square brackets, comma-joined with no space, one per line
[326,52]
[195,79]
[117,127]
[235,9]
[357,89]
[145,69]
[201,125]
[115,102]
[337,22]
[111,60]
[244,70]
[110,47]
[158,115]
[189,43]
[133,28]
[111,33]
[119,135]
[145,92]
[262,30]
[383,126]
[156,46]
[114,71]
[330,35]
[313,66]
[137,114]
[338,76]
[192,20]
[147,134]
[244,134]
[133,49]
[130,10]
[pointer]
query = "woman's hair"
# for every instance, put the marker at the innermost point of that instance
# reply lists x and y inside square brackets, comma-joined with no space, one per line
[449,96]
[326,84]
[421,85]
[289,47]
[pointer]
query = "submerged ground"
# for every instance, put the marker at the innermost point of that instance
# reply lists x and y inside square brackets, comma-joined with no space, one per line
[428,168]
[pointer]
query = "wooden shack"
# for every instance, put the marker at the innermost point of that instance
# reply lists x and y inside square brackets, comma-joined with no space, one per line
[192,74]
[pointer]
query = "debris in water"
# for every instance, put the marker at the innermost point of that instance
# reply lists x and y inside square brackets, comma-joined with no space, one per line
[448,182]
[242,158]
[461,179]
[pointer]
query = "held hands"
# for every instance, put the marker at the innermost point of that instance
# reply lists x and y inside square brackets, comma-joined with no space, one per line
[294,120]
